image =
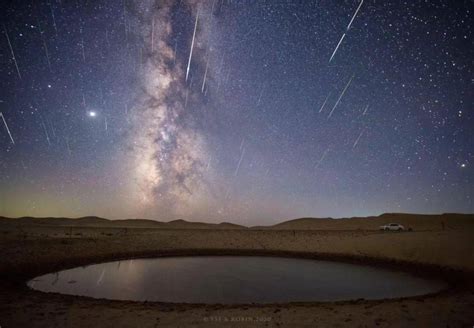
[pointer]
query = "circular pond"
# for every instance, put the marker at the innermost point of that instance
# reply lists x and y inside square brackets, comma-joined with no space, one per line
[233,279]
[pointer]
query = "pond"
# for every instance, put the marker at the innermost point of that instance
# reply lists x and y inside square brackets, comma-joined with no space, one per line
[233,279]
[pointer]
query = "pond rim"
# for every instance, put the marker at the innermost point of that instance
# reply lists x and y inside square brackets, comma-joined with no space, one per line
[180,296]
[456,280]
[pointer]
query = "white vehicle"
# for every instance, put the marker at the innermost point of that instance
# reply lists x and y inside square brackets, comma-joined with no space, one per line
[392,227]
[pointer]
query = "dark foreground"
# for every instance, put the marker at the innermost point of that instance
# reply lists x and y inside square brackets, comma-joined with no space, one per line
[31,251]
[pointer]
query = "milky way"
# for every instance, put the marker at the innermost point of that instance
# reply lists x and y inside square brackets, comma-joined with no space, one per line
[244,111]
[168,154]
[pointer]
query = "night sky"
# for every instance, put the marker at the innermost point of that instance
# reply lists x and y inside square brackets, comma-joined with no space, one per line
[283,109]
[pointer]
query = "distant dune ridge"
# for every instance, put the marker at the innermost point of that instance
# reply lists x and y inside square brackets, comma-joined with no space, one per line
[94,221]
[414,221]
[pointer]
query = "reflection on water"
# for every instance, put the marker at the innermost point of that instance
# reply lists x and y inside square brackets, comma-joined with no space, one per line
[233,279]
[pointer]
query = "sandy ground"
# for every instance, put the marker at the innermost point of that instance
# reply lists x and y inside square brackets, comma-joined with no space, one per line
[29,251]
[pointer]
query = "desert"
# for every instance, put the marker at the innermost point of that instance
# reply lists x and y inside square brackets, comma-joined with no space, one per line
[438,246]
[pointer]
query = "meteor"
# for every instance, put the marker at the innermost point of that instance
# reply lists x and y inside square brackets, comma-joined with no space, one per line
[337,47]
[347,29]
[99,281]
[321,159]
[324,103]
[6,126]
[342,94]
[192,45]
[240,162]
[54,18]
[357,140]
[45,46]
[11,50]
[365,110]
[45,131]
[205,75]
[186,99]
[355,14]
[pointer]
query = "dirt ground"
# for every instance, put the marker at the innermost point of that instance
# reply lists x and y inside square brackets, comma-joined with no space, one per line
[30,250]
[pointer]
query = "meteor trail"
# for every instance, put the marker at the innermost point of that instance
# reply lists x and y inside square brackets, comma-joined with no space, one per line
[337,47]
[266,172]
[101,277]
[205,75]
[347,29]
[365,110]
[240,162]
[186,99]
[355,14]
[357,140]
[52,128]
[46,51]
[45,46]
[6,126]
[321,159]
[342,94]
[54,18]
[45,131]
[324,103]
[68,147]
[11,50]
[192,45]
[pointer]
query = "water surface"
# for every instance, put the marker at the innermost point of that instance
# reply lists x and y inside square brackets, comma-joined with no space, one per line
[233,279]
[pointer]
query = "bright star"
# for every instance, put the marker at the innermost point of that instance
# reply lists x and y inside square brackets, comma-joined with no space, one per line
[92,113]
[463,165]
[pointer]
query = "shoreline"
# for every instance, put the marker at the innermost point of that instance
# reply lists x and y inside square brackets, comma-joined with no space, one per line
[458,279]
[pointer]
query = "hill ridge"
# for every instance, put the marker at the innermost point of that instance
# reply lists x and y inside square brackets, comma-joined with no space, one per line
[418,221]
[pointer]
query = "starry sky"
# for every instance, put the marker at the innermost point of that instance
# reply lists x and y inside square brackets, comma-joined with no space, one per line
[245,111]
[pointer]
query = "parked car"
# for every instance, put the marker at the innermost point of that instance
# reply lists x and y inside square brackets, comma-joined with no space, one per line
[392,227]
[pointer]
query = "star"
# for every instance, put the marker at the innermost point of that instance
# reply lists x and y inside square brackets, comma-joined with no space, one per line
[318,105]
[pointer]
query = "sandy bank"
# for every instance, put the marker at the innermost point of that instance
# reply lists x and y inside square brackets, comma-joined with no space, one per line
[31,252]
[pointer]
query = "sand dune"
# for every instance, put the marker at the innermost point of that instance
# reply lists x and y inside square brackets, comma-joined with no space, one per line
[92,221]
[414,221]
[419,222]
